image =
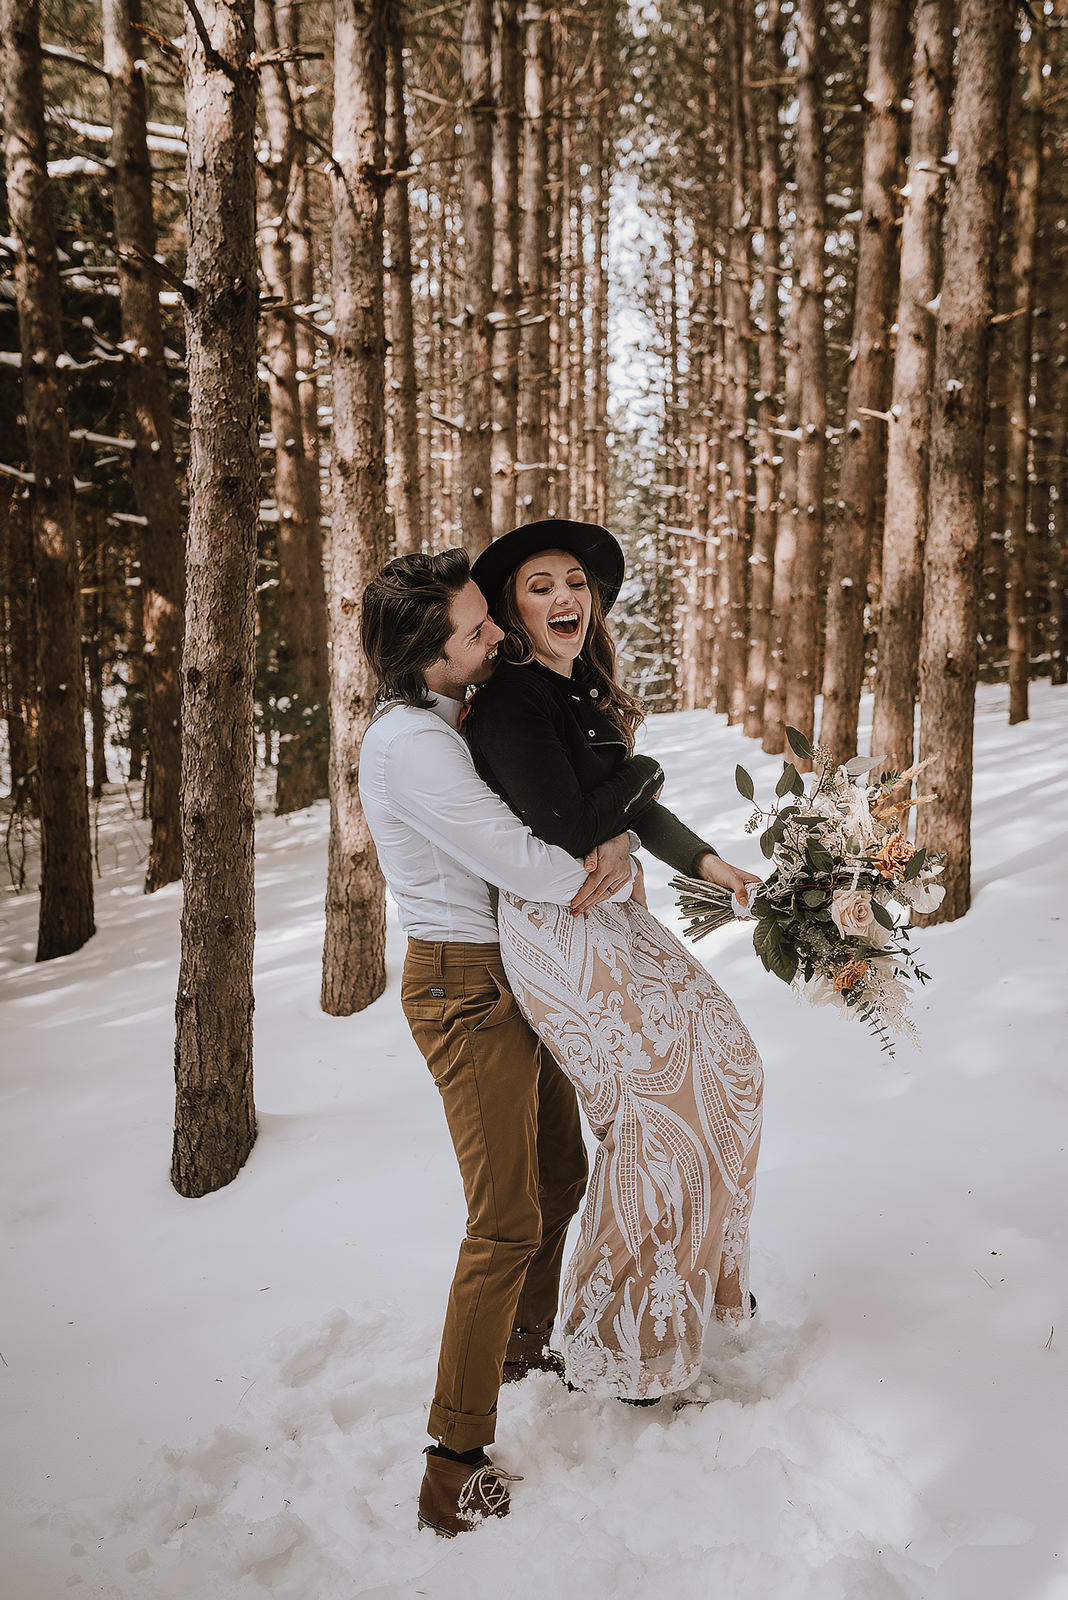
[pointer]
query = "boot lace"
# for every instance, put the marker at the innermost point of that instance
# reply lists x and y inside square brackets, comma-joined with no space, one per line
[485,1489]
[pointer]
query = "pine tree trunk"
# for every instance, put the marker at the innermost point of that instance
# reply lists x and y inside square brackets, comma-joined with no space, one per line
[302,269]
[774,740]
[215,1122]
[532,456]
[736,358]
[596,491]
[66,915]
[20,700]
[577,356]
[155,476]
[93,650]
[802,634]
[354,953]
[476,507]
[506,91]
[1024,177]
[948,660]
[406,496]
[864,444]
[135,687]
[764,516]
[302,759]
[905,518]
[1056,262]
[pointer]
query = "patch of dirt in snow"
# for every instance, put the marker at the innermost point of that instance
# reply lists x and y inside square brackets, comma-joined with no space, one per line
[308,1491]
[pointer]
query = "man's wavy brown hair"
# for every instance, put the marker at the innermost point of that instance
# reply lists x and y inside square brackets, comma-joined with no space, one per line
[595,665]
[406,620]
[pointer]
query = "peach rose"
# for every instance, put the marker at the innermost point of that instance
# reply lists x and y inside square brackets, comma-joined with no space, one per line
[895,856]
[848,976]
[851,913]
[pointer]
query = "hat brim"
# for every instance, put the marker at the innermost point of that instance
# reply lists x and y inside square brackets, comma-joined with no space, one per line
[596,548]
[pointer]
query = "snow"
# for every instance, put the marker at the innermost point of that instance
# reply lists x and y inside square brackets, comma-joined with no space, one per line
[227,1397]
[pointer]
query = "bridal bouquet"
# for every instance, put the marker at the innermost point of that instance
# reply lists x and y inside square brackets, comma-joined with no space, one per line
[824,918]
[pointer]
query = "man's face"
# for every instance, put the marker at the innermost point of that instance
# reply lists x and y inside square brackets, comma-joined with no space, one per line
[471,653]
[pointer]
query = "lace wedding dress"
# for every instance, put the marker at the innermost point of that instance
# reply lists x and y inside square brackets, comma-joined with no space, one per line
[670,1081]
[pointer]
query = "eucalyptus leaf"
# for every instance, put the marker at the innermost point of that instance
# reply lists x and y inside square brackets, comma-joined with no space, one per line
[744,782]
[784,784]
[814,897]
[881,915]
[915,865]
[797,783]
[767,843]
[799,744]
[861,764]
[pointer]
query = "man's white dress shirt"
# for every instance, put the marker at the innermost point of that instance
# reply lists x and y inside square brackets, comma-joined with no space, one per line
[443,836]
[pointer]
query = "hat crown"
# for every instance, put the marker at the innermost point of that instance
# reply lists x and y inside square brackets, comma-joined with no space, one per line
[595,547]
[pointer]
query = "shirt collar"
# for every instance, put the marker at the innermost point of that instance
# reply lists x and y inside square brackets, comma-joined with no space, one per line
[448,710]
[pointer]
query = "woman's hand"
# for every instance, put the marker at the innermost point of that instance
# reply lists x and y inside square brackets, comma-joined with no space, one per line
[713,869]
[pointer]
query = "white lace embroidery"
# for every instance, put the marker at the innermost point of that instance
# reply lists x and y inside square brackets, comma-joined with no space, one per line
[670,1080]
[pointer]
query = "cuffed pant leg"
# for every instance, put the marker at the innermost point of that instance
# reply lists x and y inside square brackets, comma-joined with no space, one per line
[484,1059]
[562,1174]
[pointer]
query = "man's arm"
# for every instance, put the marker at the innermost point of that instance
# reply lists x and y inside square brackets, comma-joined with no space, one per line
[433,785]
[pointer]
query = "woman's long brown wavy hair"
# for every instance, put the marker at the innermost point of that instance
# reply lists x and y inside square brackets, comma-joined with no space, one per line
[595,666]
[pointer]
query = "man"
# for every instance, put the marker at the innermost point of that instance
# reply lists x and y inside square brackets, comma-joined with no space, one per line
[443,837]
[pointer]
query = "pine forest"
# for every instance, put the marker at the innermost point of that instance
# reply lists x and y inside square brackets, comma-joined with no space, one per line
[777,290]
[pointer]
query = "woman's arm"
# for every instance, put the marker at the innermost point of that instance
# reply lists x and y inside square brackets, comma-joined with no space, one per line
[670,840]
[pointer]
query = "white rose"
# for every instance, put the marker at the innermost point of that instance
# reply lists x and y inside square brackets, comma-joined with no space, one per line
[822,992]
[851,913]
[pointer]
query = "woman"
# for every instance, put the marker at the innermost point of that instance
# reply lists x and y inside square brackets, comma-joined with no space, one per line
[665,1069]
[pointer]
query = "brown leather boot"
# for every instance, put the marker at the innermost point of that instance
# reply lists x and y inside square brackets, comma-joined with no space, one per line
[529,1352]
[453,1497]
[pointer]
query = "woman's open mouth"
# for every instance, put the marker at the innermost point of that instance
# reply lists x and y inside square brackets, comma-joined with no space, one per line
[566,625]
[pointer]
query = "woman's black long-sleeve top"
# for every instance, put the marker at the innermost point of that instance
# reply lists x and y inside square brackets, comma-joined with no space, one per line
[539,740]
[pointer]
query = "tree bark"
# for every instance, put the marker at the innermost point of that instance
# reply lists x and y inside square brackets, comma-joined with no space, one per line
[215,1120]
[802,635]
[864,444]
[596,425]
[354,952]
[156,482]
[736,360]
[506,78]
[764,516]
[532,456]
[774,740]
[93,651]
[406,484]
[66,914]
[905,518]
[20,653]
[302,268]
[476,510]
[948,660]
[1020,554]
[302,758]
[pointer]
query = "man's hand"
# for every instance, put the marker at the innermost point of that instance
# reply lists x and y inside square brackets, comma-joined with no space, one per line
[609,868]
[714,870]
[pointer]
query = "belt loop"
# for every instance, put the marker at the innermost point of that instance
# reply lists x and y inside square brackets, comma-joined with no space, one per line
[439,961]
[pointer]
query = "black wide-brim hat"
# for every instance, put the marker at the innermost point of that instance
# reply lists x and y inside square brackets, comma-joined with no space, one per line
[597,549]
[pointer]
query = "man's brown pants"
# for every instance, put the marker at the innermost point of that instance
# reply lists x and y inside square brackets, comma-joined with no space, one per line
[515,1128]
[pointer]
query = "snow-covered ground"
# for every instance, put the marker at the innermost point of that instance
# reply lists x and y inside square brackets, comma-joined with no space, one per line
[227,1397]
